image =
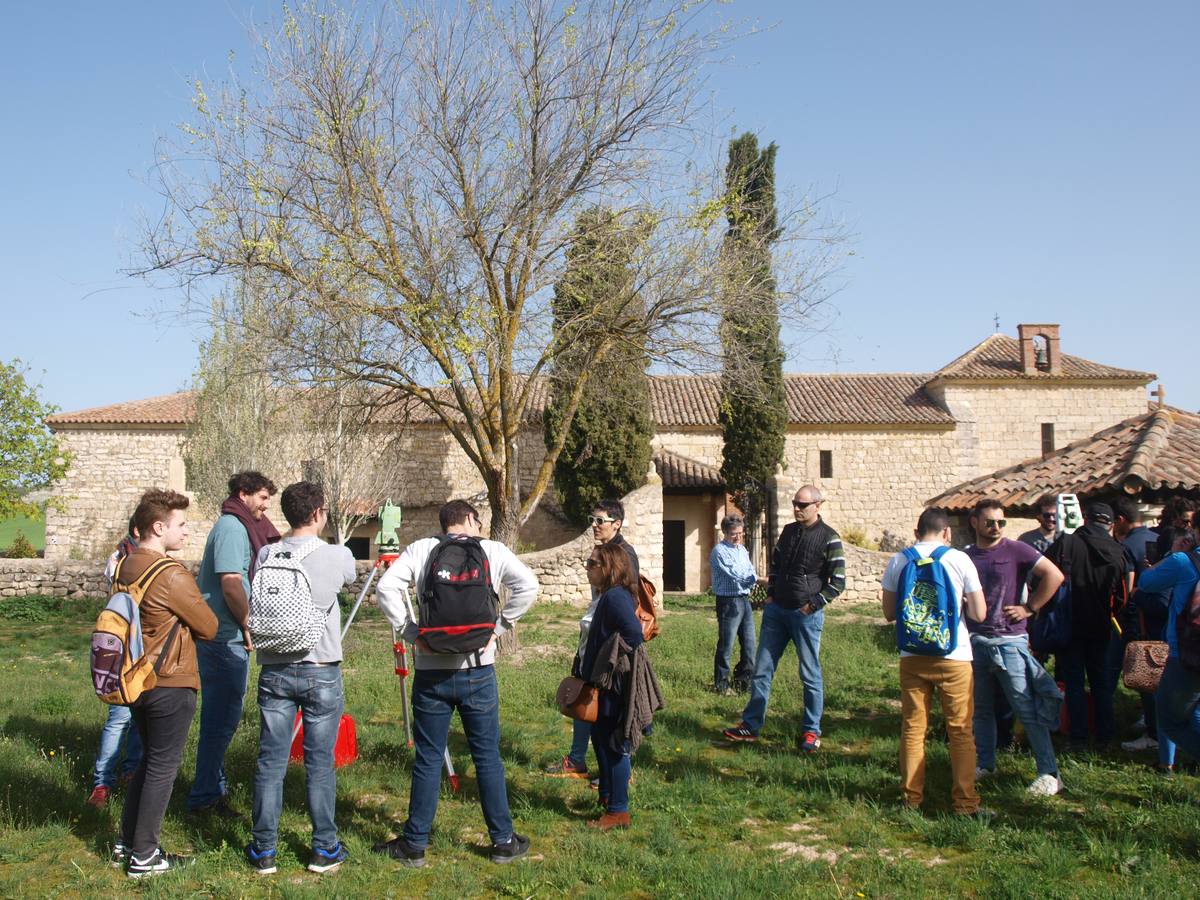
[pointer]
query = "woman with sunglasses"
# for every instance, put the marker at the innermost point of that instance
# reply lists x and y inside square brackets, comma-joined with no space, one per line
[612,577]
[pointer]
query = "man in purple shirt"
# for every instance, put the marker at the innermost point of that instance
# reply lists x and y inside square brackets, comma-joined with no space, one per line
[1000,645]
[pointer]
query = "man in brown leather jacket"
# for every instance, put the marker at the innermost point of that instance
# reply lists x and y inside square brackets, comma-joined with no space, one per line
[173,614]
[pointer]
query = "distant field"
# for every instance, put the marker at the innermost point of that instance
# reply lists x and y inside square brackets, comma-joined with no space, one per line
[33,529]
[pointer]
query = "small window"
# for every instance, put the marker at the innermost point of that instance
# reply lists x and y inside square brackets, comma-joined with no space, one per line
[826,463]
[1047,438]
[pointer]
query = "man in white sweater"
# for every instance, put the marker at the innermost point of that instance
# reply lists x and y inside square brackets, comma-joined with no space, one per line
[446,681]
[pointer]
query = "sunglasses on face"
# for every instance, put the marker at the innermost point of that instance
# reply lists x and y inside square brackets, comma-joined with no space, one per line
[804,504]
[994,523]
[592,563]
[599,520]
[1048,515]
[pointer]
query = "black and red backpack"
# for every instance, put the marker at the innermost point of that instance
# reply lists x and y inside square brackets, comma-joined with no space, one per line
[457,606]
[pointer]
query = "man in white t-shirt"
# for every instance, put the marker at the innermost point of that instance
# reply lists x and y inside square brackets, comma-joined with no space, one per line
[950,674]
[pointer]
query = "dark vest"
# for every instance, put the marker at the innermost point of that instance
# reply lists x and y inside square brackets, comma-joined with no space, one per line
[800,557]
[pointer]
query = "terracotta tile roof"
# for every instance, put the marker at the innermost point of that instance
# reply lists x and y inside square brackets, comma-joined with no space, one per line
[854,399]
[677,400]
[999,356]
[681,472]
[1159,450]
[169,409]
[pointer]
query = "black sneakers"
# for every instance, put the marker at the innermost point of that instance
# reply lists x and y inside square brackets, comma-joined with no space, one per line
[517,847]
[261,861]
[402,851]
[158,863]
[327,860]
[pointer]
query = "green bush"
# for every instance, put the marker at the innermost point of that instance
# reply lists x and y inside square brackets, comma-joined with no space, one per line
[34,608]
[20,548]
[858,537]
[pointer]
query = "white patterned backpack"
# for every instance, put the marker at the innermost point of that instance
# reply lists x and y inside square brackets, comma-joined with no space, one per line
[283,618]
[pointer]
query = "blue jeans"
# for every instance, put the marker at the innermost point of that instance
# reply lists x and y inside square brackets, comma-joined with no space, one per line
[779,627]
[1178,701]
[735,618]
[118,729]
[1088,657]
[436,693]
[224,673]
[317,691]
[1019,693]
[614,766]
[581,735]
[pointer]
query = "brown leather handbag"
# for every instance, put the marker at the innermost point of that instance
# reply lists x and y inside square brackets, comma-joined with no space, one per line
[577,699]
[1144,664]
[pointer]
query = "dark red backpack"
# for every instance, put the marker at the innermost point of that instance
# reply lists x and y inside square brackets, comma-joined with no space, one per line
[457,606]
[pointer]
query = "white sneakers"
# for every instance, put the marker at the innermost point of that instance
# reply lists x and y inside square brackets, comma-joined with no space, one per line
[1046,785]
[1145,742]
[981,773]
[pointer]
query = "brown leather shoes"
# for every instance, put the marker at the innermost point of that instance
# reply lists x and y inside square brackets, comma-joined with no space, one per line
[609,821]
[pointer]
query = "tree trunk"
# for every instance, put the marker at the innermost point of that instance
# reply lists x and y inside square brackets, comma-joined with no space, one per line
[508,642]
[506,525]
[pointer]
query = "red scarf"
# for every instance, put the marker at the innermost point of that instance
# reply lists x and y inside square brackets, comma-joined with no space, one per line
[260,531]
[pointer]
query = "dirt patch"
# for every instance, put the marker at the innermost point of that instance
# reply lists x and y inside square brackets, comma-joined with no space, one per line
[538,652]
[788,849]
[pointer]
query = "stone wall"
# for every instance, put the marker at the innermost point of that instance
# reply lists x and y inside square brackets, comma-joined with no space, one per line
[109,471]
[111,467]
[561,571]
[1001,424]
[881,479]
[864,572]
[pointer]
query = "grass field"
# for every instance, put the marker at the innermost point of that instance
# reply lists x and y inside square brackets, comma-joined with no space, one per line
[33,529]
[710,820]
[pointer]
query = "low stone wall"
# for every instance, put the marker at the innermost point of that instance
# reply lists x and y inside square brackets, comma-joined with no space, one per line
[864,570]
[560,570]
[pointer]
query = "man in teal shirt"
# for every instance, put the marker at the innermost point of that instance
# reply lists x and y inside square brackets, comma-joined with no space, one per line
[225,572]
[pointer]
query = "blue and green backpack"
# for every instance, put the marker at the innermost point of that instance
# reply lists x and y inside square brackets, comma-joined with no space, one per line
[927,609]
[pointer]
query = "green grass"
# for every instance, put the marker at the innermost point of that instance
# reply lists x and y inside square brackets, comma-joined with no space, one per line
[710,820]
[33,528]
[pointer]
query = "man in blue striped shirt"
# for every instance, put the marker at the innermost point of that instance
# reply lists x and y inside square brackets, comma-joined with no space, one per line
[733,576]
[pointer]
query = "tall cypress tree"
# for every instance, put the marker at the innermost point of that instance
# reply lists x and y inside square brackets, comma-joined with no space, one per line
[754,413]
[607,450]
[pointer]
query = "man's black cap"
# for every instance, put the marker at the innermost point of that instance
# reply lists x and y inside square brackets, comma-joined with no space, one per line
[1100,513]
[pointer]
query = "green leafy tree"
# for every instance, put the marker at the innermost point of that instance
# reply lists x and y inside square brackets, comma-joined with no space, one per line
[606,443]
[753,414]
[30,458]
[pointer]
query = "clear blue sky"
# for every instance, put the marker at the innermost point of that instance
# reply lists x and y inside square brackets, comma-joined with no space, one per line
[1035,160]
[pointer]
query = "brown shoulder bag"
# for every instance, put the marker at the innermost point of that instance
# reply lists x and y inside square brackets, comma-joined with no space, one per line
[1144,663]
[577,699]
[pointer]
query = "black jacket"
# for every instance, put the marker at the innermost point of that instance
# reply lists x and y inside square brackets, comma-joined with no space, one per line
[808,566]
[1096,565]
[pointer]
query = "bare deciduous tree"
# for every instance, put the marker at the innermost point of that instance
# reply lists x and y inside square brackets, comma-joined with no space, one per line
[351,453]
[236,423]
[421,173]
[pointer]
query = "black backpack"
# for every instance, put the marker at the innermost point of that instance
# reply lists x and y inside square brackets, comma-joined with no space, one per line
[458,606]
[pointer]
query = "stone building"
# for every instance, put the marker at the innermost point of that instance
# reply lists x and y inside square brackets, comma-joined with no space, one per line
[879,445]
